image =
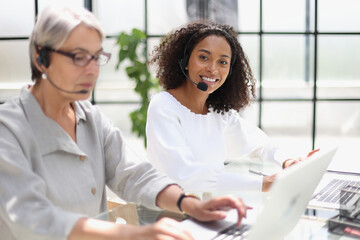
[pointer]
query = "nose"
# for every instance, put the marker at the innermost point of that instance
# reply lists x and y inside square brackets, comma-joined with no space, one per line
[212,67]
[92,67]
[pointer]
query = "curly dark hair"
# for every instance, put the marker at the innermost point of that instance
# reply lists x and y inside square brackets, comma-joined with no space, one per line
[239,87]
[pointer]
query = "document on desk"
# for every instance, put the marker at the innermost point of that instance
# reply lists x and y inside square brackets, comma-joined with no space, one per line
[346,159]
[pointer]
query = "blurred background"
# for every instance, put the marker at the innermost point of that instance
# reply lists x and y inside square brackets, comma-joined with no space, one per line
[305,55]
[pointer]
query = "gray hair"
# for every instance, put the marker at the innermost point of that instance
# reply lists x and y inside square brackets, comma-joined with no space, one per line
[53,26]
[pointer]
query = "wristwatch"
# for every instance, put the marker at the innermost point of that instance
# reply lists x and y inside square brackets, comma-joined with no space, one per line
[182,196]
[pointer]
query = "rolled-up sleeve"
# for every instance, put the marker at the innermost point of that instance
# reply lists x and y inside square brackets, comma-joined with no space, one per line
[128,175]
[247,140]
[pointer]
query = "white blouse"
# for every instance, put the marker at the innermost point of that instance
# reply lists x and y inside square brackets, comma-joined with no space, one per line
[192,148]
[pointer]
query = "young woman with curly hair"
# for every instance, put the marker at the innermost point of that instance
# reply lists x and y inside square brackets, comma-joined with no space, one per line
[194,125]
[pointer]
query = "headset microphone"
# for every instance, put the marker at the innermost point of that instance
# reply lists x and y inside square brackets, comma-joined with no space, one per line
[201,85]
[84,91]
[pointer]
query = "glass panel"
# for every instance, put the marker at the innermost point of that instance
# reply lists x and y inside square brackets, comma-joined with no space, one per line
[251,113]
[249,15]
[286,74]
[338,67]
[338,124]
[74,3]
[152,42]
[14,67]
[15,63]
[290,123]
[117,16]
[342,16]
[119,115]
[164,15]
[114,85]
[224,12]
[335,119]
[108,72]
[284,15]
[310,15]
[250,44]
[17,18]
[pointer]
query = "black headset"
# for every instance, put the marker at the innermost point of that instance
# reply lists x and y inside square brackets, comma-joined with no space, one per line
[184,61]
[43,58]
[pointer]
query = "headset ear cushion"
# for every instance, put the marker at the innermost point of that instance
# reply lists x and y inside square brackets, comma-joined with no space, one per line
[230,71]
[44,57]
[184,61]
[38,60]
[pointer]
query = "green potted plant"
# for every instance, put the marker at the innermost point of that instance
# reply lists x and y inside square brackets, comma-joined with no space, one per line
[133,48]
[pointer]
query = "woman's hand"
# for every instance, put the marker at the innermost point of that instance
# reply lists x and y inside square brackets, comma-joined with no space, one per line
[210,210]
[289,162]
[165,228]
[292,161]
[215,208]
[267,182]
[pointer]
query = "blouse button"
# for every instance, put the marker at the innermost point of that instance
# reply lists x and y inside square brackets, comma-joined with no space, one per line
[82,158]
[93,191]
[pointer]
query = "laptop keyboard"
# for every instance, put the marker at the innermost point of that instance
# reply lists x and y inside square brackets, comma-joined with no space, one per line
[331,192]
[233,233]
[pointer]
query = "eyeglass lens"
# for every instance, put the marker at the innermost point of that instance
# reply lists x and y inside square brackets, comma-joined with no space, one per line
[82,59]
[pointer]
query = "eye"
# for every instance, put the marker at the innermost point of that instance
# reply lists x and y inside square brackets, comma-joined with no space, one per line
[81,57]
[223,62]
[203,57]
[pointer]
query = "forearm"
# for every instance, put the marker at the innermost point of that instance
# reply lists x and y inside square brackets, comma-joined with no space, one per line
[209,210]
[93,229]
[168,197]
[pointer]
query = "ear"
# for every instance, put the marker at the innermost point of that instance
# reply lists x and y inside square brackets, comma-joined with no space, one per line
[37,62]
[184,61]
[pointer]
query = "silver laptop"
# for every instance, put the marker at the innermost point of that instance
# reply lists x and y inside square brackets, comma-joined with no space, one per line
[284,205]
[343,171]
[328,193]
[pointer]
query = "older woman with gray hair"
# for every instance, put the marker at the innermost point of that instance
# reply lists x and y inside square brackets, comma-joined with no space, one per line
[58,152]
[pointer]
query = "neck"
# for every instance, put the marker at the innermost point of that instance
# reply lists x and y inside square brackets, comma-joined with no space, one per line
[56,106]
[51,102]
[191,97]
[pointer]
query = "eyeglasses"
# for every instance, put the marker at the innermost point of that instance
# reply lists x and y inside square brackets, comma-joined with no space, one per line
[83,59]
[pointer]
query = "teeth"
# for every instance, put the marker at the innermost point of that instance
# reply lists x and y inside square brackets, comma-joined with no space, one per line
[209,79]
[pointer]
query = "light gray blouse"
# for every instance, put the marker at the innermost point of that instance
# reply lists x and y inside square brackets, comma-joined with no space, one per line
[48,181]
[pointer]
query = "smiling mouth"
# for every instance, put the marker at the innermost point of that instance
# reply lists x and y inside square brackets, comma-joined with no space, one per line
[86,85]
[207,79]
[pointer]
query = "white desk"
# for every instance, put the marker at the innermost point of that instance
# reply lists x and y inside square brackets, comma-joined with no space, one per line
[309,227]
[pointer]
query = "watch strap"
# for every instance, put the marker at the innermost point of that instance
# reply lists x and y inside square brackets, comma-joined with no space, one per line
[181,198]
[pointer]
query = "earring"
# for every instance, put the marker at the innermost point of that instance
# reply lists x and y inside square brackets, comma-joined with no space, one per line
[186,68]
[43,76]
